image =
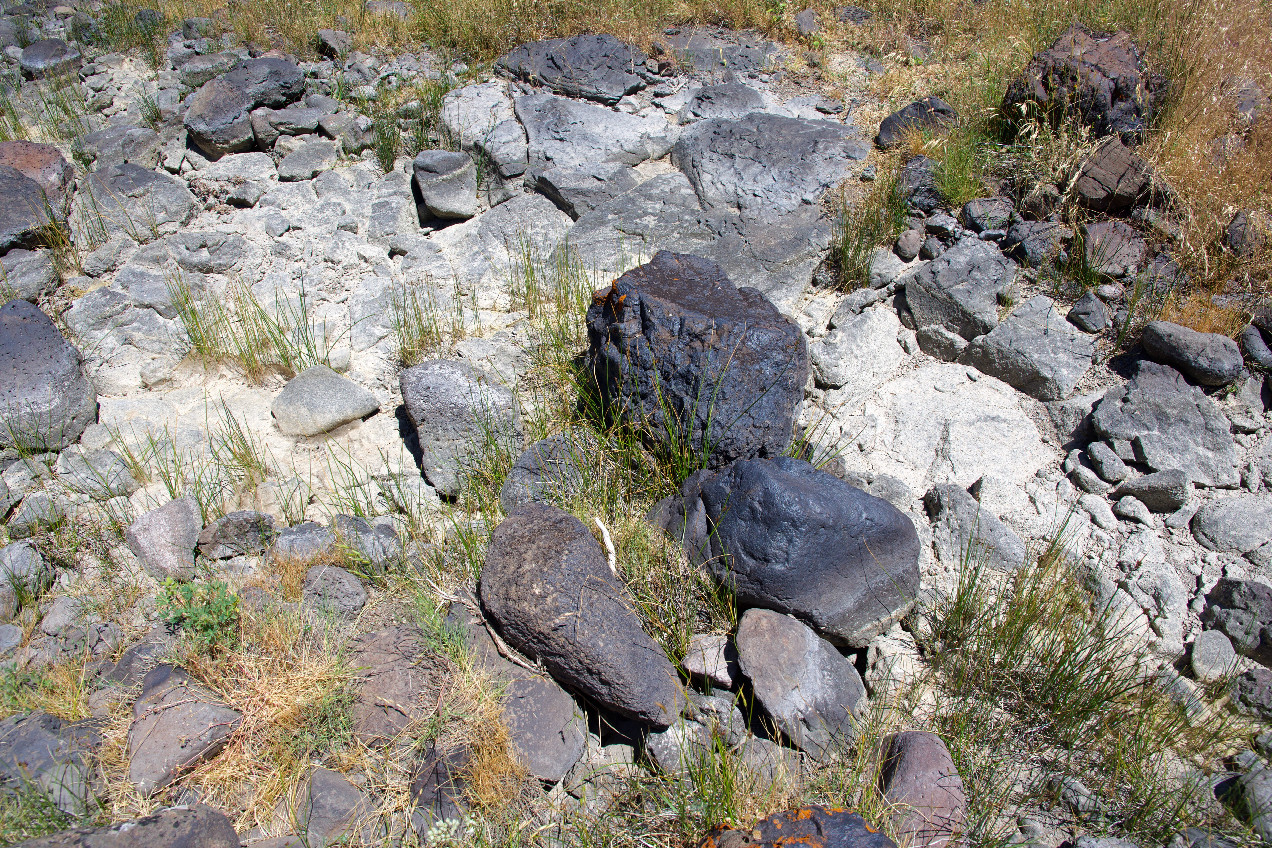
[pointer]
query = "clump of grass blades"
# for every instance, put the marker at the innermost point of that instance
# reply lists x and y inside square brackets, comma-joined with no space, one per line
[861,227]
[1035,679]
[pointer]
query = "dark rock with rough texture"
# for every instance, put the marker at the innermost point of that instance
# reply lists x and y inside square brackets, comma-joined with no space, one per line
[1099,79]
[549,472]
[447,182]
[28,274]
[908,245]
[137,201]
[46,400]
[375,542]
[330,588]
[988,213]
[1089,314]
[810,691]
[163,539]
[24,211]
[305,541]
[45,164]
[716,56]
[115,144]
[1035,351]
[1034,243]
[438,785]
[543,568]
[24,576]
[961,289]
[578,190]
[916,183]
[318,400]
[1208,359]
[1252,692]
[596,67]
[1255,344]
[961,529]
[1162,491]
[765,165]
[453,406]
[240,533]
[391,687]
[920,780]
[218,118]
[1243,235]
[176,725]
[1241,523]
[1242,611]
[335,43]
[931,113]
[700,364]
[185,826]
[814,827]
[730,101]
[1169,424]
[44,751]
[1113,249]
[1112,179]
[789,537]
[49,57]
[330,810]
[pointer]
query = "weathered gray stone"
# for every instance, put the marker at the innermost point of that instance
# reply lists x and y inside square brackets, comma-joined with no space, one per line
[1089,313]
[24,213]
[23,574]
[481,117]
[1113,249]
[551,471]
[447,182]
[331,588]
[729,101]
[1211,657]
[920,780]
[218,118]
[183,826]
[930,114]
[100,474]
[1238,523]
[49,57]
[318,400]
[392,686]
[305,541]
[543,567]
[1209,359]
[961,290]
[579,190]
[163,539]
[567,133]
[1242,611]
[46,400]
[41,751]
[27,274]
[123,143]
[712,657]
[1108,464]
[988,213]
[135,201]
[966,533]
[596,67]
[1035,243]
[1170,424]
[811,692]
[1112,179]
[452,407]
[330,810]
[1132,509]
[1035,351]
[1161,491]
[308,161]
[46,165]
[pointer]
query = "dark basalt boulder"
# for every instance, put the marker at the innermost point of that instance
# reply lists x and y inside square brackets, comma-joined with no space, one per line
[596,67]
[700,366]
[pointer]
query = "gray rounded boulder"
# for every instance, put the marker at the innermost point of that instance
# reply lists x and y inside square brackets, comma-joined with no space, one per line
[46,401]
[549,590]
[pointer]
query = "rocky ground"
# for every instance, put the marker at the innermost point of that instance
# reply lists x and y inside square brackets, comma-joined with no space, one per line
[279,419]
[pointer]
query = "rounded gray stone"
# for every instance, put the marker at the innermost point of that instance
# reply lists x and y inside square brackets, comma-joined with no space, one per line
[318,400]
[1212,656]
[46,400]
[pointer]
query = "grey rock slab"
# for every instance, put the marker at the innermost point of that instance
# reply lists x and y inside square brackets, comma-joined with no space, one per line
[331,588]
[163,539]
[810,691]
[201,68]
[239,533]
[1242,611]
[1034,243]
[1252,694]
[123,143]
[921,783]
[543,567]
[1133,509]
[24,212]
[38,510]
[1089,313]
[729,101]
[917,185]
[29,273]
[44,164]
[447,182]
[1162,491]
[63,613]
[766,527]
[1211,656]
[1108,464]
[859,353]
[176,725]
[135,201]
[308,161]
[1113,249]
[562,132]
[712,657]
[23,574]
[41,751]
[49,57]
[961,290]
[718,55]
[318,400]
[482,117]
[678,748]
[101,474]
[452,406]
[375,541]
[1035,350]
[330,810]
[1208,359]
[218,116]
[1112,179]
[438,785]
[930,114]
[580,189]
[676,337]
[1237,523]
[46,400]
[1254,789]
[392,685]
[595,67]
[988,213]
[964,532]
[305,541]
[207,251]
[1170,424]
[765,165]
[936,341]
[1255,344]
[550,471]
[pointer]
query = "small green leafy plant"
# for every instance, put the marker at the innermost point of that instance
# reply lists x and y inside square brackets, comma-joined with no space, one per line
[208,612]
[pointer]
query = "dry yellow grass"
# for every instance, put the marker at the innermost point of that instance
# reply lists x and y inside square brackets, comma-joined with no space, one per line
[1199,311]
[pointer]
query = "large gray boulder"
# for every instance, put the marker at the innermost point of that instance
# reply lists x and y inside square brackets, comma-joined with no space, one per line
[728,101]
[482,118]
[766,165]
[454,408]
[1170,424]
[704,368]
[551,471]
[163,539]
[1035,351]
[811,691]
[961,289]
[922,784]
[596,67]
[1208,359]
[1099,79]
[318,400]
[786,536]
[579,189]
[183,826]
[566,133]
[1035,243]
[24,209]
[548,588]
[1240,524]
[136,201]
[447,182]
[46,400]
[219,116]
[392,690]
[1242,611]
[49,57]
[40,751]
